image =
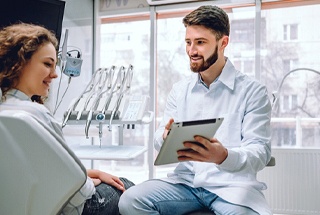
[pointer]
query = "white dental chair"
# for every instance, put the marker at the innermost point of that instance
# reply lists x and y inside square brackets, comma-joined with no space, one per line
[38,172]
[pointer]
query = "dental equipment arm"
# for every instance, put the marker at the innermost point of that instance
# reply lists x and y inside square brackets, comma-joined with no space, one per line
[95,103]
[91,94]
[101,116]
[126,80]
[88,88]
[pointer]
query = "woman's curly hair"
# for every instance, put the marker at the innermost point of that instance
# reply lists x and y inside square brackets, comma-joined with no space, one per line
[18,42]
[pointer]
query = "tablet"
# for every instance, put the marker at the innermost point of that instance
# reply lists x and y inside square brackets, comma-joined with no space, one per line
[185,131]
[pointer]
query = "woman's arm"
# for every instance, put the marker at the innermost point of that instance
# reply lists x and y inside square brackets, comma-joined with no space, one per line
[99,176]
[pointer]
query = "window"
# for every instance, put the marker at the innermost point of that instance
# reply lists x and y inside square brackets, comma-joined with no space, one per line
[289,103]
[245,65]
[84,44]
[289,65]
[124,43]
[172,58]
[290,32]
[285,103]
[294,102]
[295,67]
[242,31]
[126,39]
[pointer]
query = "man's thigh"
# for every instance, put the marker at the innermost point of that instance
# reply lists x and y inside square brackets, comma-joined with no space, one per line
[162,197]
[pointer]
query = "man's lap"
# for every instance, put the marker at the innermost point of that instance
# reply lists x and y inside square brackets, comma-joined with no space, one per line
[163,197]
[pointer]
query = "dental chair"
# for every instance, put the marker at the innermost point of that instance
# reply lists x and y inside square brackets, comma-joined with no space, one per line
[38,172]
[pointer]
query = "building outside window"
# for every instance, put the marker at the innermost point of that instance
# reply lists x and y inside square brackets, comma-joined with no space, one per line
[290,32]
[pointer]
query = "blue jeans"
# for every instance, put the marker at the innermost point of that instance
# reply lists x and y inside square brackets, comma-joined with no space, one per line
[156,197]
[105,200]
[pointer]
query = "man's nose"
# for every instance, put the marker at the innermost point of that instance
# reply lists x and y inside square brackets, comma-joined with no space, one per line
[192,50]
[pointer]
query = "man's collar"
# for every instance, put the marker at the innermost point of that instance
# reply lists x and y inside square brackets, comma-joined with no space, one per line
[227,76]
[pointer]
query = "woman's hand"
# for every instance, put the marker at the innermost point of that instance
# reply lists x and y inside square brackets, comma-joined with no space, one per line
[99,176]
[96,181]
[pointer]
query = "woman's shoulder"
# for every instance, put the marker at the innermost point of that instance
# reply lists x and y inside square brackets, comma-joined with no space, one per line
[16,103]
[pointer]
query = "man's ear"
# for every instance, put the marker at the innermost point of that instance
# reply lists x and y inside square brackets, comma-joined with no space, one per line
[224,41]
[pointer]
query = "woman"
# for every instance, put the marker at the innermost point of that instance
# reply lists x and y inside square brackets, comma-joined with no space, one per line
[28,57]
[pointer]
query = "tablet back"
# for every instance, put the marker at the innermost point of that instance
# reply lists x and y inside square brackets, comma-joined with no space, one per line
[185,131]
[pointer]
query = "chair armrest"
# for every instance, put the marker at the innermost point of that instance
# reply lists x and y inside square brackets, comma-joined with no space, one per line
[272,161]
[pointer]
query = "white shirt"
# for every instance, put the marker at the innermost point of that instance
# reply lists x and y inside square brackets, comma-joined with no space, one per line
[246,109]
[17,100]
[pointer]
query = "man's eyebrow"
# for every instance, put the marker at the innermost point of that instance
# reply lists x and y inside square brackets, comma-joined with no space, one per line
[200,38]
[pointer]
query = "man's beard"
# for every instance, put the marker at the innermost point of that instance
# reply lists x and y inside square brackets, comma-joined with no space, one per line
[206,64]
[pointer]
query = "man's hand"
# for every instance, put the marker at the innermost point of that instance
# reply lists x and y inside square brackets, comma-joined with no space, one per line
[167,128]
[203,150]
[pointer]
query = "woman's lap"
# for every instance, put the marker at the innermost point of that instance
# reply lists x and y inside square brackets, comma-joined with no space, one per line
[105,200]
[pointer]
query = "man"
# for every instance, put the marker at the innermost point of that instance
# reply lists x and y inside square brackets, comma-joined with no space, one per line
[220,175]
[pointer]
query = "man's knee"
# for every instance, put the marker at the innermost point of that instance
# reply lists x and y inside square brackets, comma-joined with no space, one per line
[126,201]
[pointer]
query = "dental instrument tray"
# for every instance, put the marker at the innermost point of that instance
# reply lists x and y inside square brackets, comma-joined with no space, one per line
[107,100]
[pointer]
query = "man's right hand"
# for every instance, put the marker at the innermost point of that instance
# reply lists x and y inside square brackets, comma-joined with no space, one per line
[167,128]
